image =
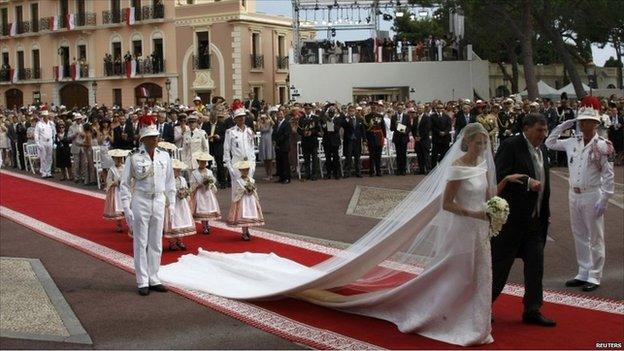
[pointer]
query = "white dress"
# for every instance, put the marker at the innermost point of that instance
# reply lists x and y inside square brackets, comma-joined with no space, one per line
[449,301]
[182,223]
[203,200]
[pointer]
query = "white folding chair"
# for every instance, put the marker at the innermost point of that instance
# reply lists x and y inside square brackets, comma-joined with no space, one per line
[97,164]
[321,155]
[32,155]
[299,158]
[17,156]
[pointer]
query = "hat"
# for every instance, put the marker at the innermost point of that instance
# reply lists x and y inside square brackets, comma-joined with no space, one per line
[78,115]
[242,165]
[240,112]
[467,101]
[192,117]
[509,101]
[379,103]
[273,109]
[534,104]
[177,164]
[197,98]
[118,153]
[44,113]
[588,113]
[203,156]
[148,126]
[167,146]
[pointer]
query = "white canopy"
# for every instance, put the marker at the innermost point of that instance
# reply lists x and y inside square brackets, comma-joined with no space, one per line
[544,90]
[569,89]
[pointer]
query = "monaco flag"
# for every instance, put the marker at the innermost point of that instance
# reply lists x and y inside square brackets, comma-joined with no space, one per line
[130,68]
[130,16]
[143,92]
[70,21]
[13,75]
[75,71]
[58,73]
[55,25]
[12,29]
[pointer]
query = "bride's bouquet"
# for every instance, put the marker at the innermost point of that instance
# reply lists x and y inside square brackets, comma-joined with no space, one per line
[497,209]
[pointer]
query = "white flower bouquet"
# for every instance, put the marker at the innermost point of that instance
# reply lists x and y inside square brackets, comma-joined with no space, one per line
[497,209]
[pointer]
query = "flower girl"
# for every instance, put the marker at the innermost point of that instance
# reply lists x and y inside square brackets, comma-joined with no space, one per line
[181,224]
[203,188]
[113,209]
[245,211]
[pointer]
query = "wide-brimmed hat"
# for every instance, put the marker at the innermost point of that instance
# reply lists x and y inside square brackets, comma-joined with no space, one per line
[148,126]
[167,146]
[177,164]
[240,112]
[78,115]
[197,98]
[203,156]
[242,165]
[118,153]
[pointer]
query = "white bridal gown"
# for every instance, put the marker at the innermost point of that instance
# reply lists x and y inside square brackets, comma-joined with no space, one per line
[450,300]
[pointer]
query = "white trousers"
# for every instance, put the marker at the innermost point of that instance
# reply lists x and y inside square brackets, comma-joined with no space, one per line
[147,231]
[44,151]
[588,231]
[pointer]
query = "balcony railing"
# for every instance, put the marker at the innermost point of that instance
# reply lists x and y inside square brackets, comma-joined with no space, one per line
[201,62]
[23,73]
[257,61]
[5,29]
[282,62]
[36,73]
[23,27]
[142,67]
[5,75]
[110,17]
[152,12]
[85,19]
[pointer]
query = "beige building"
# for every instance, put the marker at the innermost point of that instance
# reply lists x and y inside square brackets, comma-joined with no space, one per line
[77,52]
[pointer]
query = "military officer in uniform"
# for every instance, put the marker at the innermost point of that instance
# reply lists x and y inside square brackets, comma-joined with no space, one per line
[375,135]
[150,171]
[309,130]
[330,129]
[591,186]
[194,140]
[45,130]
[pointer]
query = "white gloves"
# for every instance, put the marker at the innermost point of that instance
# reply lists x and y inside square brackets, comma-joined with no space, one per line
[129,217]
[601,206]
[568,124]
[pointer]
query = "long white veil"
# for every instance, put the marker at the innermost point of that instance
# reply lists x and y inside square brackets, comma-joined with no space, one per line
[391,254]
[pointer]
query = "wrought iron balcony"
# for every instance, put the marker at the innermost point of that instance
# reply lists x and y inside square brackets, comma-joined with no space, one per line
[282,62]
[257,61]
[201,61]
[5,29]
[110,17]
[36,73]
[24,74]
[85,19]
[23,27]
[5,75]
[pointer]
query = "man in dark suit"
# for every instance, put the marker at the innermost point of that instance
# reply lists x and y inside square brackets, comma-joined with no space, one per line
[330,128]
[421,130]
[400,125]
[131,131]
[524,234]
[21,129]
[165,129]
[354,132]
[12,135]
[309,130]
[440,134]
[253,105]
[552,117]
[215,132]
[281,138]
[463,118]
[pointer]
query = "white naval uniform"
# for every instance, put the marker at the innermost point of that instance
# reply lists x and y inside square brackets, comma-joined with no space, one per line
[154,187]
[193,142]
[591,183]
[44,138]
[238,146]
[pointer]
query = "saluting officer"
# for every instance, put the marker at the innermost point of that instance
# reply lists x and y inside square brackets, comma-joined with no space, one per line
[309,129]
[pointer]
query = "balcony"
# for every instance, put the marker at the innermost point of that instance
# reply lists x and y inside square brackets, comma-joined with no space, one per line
[5,29]
[282,63]
[153,12]
[142,67]
[24,74]
[257,61]
[36,73]
[5,74]
[23,27]
[112,17]
[85,19]
[201,62]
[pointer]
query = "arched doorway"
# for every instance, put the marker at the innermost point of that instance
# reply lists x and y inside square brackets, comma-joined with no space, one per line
[74,95]
[14,98]
[148,93]
[502,91]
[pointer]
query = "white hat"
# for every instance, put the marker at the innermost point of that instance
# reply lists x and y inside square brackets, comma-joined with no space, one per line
[193,117]
[240,112]
[62,107]
[44,113]
[177,164]
[78,115]
[167,146]
[197,98]
[242,165]
[148,126]
[273,109]
[588,113]
[118,153]
[203,156]
[535,104]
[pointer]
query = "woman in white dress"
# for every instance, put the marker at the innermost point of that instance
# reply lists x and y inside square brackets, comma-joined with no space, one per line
[204,204]
[113,210]
[181,224]
[425,267]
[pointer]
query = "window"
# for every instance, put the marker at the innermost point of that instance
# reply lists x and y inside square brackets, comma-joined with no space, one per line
[255,44]
[5,58]
[4,19]
[116,50]
[280,46]
[282,95]
[82,52]
[34,17]
[257,93]
[137,47]
[190,2]
[36,64]
[19,19]
[117,97]
[81,13]
[203,51]
[115,7]
[20,60]
[158,59]
[137,9]
[64,11]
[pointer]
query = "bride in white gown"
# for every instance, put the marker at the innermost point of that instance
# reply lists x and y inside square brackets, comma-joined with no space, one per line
[440,230]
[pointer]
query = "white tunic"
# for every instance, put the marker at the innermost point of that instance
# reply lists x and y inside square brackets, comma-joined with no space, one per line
[194,141]
[44,132]
[205,199]
[238,146]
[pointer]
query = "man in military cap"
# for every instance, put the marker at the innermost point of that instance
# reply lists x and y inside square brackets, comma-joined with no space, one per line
[309,130]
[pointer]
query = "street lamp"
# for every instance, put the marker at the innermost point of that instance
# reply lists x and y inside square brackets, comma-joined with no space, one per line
[168,86]
[94,87]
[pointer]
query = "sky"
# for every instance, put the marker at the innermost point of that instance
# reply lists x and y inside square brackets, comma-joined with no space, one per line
[284,7]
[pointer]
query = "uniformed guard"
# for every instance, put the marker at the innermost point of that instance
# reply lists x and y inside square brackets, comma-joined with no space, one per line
[309,129]
[151,171]
[239,146]
[194,140]
[44,137]
[591,185]
[375,136]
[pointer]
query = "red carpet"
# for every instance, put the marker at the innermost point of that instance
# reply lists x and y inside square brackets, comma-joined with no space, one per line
[81,215]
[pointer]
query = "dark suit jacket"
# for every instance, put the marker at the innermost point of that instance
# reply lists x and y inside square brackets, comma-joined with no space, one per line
[253,106]
[281,136]
[215,145]
[422,129]
[513,157]
[131,132]
[460,121]
[398,137]
[355,132]
[168,134]
[441,123]
[310,123]
[331,139]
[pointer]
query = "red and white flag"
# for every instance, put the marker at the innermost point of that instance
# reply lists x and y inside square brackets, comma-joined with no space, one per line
[55,24]
[75,71]
[12,29]
[143,92]
[130,16]
[58,73]
[131,68]
[13,75]
[70,21]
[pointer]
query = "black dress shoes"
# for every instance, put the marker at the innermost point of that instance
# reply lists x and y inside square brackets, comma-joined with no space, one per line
[246,236]
[144,291]
[158,288]
[572,283]
[590,287]
[536,318]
